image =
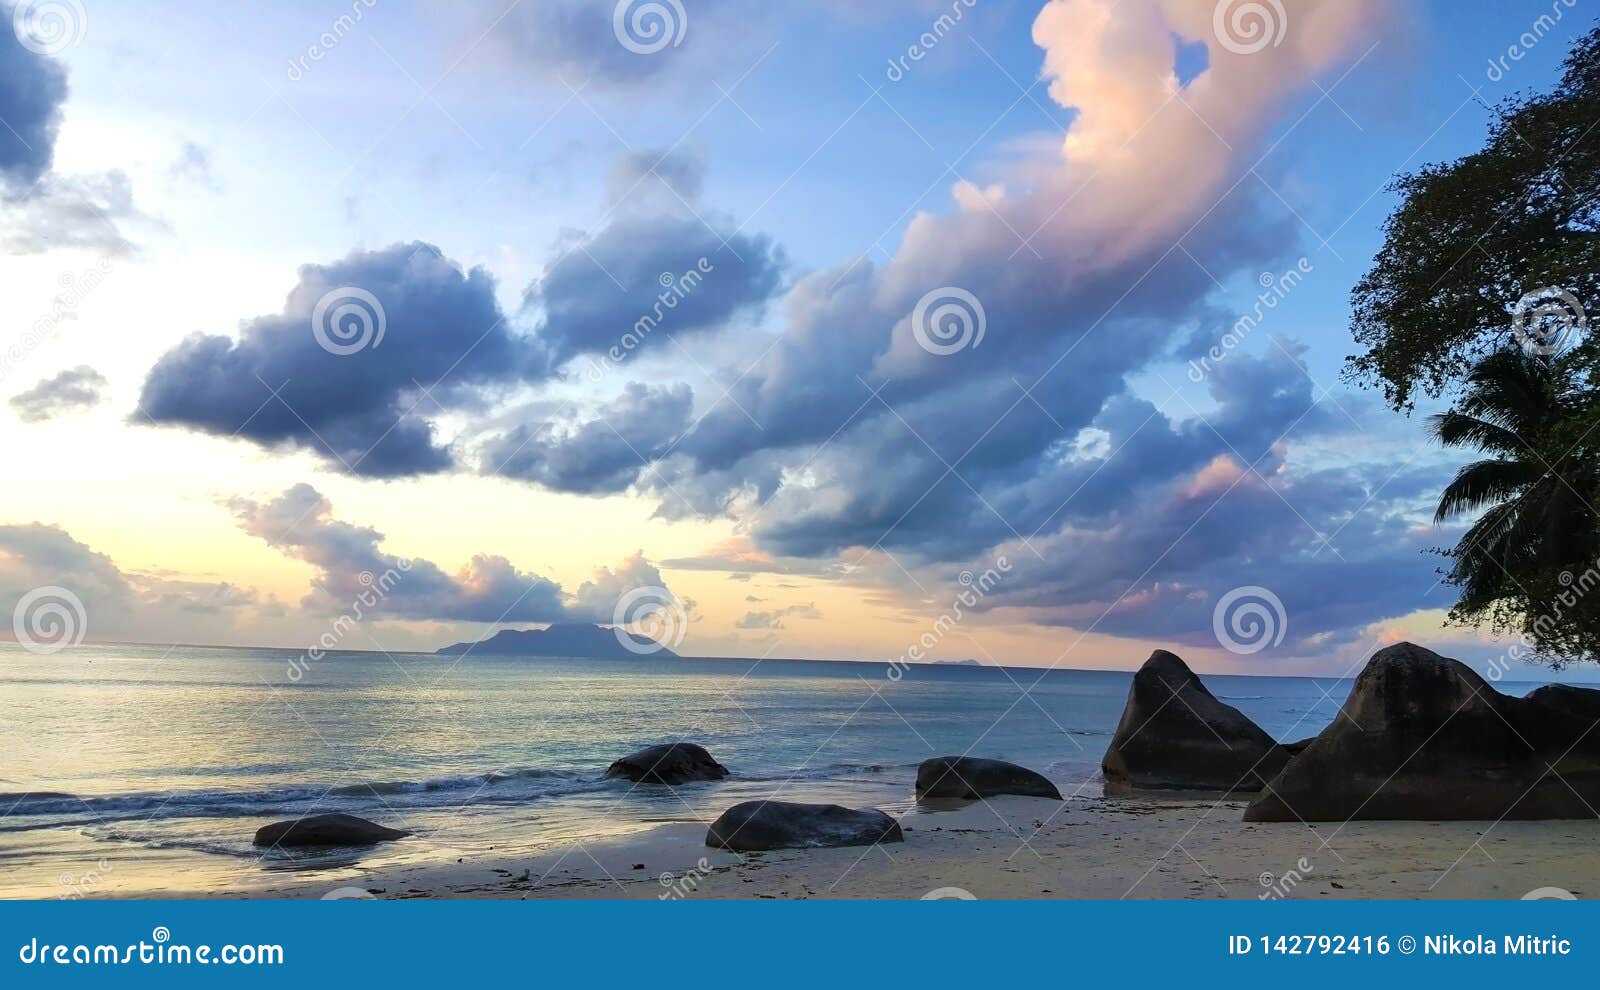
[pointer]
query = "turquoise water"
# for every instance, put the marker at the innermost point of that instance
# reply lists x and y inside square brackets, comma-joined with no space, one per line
[159,764]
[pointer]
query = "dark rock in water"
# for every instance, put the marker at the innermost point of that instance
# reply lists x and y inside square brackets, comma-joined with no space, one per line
[1298,746]
[326,830]
[1424,738]
[968,778]
[1175,734]
[672,763]
[759,825]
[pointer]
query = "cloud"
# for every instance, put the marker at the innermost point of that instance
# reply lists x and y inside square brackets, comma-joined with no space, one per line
[365,350]
[74,389]
[42,210]
[600,455]
[772,619]
[662,266]
[351,565]
[599,596]
[103,601]
[194,167]
[579,43]
[32,90]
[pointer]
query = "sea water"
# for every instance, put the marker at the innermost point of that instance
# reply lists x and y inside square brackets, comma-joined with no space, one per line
[140,770]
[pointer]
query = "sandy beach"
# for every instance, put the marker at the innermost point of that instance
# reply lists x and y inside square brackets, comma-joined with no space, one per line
[1184,847]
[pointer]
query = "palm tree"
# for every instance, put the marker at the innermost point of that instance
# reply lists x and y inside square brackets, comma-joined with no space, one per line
[1535,495]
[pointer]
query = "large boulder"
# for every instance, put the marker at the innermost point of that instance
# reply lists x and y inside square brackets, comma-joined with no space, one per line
[671,763]
[758,825]
[326,830]
[1424,738]
[1175,734]
[967,778]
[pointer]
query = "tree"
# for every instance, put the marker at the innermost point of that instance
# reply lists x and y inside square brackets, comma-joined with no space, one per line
[1528,564]
[1497,248]
[1481,294]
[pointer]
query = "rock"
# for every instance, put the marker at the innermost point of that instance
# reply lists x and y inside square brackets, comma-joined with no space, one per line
[1424,738]
[1175,734]
[1298,746]
[968,778]
[326,830]
[672,763]
[759,825]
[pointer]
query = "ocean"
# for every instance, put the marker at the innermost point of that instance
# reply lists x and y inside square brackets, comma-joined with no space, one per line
[141,771]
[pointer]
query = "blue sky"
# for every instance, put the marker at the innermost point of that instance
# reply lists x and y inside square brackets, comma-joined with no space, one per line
[1109,183]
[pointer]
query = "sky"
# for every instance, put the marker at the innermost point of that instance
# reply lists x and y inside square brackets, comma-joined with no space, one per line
[930,329]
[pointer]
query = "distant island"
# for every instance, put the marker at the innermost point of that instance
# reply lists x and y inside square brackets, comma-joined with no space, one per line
[563,639]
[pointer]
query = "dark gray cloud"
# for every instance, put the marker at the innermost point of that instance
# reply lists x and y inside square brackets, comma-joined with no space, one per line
[579,42]
[365,350]
[643,279]
[73,389]
[600,455]
[351,567]
[32,89]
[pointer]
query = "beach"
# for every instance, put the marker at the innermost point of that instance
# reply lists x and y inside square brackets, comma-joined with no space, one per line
[1089,848]
[135,773]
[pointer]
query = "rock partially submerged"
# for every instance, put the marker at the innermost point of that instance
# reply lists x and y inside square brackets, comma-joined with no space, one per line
[1424,738]
[326,830]
[759,825]
[968,778]
[671,763]
[1175,734]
